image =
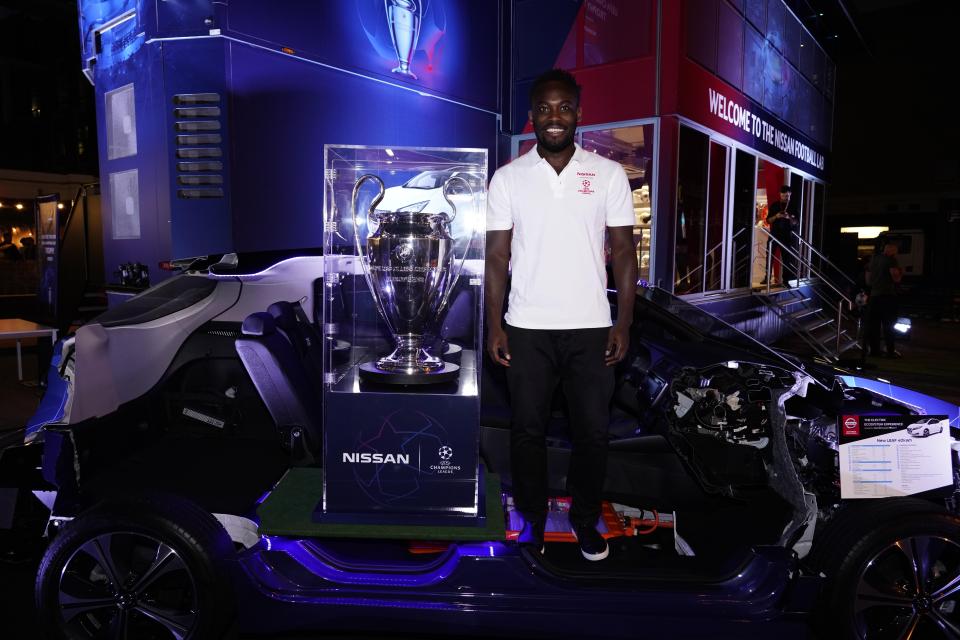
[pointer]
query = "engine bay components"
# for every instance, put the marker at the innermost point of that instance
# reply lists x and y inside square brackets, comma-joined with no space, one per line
[730,401]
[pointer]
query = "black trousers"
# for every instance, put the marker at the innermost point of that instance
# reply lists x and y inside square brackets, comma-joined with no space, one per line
[574,359]
[881,316]
[788,269]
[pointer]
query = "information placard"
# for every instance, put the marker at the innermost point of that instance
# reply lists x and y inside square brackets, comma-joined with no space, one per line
[885,456]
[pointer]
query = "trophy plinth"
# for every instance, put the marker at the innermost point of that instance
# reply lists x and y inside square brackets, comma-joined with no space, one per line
[409,266]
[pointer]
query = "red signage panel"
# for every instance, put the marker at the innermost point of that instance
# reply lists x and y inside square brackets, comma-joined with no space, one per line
[710,101]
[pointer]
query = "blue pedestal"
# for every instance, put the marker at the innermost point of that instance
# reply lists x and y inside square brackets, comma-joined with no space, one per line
[396,454]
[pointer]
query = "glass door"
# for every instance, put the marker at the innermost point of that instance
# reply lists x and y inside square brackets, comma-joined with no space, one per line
[743,220]
[715,247]
[690,245]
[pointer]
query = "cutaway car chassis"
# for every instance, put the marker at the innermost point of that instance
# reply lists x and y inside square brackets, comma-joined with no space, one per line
[143,468]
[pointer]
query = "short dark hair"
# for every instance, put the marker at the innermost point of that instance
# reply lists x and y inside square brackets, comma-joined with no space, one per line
[555,75]
[786,189]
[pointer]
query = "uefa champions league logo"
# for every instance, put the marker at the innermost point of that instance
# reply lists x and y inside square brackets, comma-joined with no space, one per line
[445,453]
[403,252]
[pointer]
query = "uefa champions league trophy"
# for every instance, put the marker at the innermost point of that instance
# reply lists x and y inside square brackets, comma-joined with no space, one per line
[403,22]
[408,264]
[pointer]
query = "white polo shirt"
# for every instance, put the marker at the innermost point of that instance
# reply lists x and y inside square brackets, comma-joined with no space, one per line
[559,278]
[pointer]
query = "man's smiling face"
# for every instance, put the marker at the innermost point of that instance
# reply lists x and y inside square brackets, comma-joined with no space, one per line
[555,113]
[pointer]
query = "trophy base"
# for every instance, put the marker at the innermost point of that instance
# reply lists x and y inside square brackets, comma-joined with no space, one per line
[370,372]
[452,353]
[400,71]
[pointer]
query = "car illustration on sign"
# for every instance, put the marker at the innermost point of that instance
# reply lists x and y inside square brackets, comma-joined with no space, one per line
[925,427]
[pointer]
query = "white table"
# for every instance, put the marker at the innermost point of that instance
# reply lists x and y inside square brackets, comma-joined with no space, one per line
[17,329]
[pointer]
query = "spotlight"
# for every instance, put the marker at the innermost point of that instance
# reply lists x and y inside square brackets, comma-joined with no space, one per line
[902,330]
[902,326]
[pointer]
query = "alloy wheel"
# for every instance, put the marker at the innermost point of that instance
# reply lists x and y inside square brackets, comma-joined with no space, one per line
[910,590]
[127,586]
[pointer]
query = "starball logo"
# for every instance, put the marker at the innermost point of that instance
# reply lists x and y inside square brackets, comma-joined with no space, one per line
[446,465]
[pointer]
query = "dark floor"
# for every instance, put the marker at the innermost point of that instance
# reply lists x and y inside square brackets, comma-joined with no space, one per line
[931,364]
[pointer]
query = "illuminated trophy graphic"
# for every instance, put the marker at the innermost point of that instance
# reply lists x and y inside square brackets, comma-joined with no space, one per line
[403,22]
[408,264]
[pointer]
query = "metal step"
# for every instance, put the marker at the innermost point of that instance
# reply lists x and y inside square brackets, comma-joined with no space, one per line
[817,323]
[849,343]
[791,300]
[793,316]
[829,339]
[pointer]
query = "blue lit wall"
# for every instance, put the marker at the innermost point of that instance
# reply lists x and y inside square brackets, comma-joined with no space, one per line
[290,77]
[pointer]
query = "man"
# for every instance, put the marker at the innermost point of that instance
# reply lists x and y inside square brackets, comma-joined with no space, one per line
[883,275]
[782,225]
[8,250]
[547,214]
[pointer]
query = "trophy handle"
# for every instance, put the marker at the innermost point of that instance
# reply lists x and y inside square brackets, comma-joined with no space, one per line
[361,254]
[466,250]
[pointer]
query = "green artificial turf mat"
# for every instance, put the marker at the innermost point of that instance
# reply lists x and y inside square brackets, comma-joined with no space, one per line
[288,511]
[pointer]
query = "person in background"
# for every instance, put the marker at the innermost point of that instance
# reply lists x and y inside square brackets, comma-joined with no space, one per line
[28,248]
[782,225]
[761,244]
[8,250]
[883,275]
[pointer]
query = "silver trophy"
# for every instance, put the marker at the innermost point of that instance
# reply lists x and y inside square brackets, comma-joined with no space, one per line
[409,266]
[403,22]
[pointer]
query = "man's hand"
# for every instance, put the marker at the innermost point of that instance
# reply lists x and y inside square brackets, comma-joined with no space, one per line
[497,347]
[618,341]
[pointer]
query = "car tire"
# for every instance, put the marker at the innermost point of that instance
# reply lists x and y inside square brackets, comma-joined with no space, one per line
[153,566]
[890,566]
[926,432]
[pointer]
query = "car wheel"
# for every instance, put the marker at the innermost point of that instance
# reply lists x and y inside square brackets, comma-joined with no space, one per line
[926,432]
[893,572]
[148,570]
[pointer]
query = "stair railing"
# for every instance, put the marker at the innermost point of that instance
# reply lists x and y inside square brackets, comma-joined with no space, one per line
[709,256]
[842,298]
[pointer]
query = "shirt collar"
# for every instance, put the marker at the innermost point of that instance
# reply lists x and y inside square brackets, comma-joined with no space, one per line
[579,155]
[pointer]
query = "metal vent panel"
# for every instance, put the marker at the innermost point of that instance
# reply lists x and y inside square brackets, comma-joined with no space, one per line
[208,152]
[194,179]
[189,194]
[197,112]
[197,125]
[196,98]
[199,138]
[213,165]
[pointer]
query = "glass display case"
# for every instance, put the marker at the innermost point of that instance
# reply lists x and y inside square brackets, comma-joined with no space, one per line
[404,244]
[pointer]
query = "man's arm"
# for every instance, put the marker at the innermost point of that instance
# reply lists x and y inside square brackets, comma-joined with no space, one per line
[625,275]
[495,281]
